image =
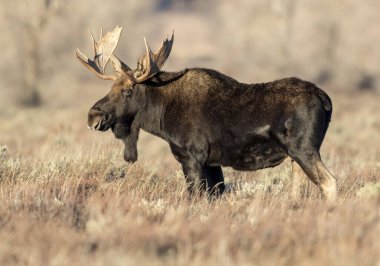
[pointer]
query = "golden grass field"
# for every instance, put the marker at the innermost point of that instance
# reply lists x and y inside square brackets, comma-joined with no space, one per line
[68,198]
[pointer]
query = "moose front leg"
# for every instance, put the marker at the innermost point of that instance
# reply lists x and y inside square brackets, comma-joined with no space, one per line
[195,180]
[202,178]
[199,177]
[215,180]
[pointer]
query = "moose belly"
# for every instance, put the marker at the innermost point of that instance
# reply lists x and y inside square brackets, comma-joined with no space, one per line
[252,156]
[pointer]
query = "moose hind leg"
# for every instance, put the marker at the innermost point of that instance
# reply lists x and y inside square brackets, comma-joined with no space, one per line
[300,185]
[328,182]
[301,137]
[305,152]
[318,174]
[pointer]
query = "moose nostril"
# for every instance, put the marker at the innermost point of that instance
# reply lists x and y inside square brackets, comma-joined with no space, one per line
[94,116]
[95,112]
[106,116]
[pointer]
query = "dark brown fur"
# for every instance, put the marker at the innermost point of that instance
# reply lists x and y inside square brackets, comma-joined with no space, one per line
[211,120]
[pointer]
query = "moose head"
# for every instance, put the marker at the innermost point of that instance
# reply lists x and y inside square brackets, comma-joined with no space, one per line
[119,107]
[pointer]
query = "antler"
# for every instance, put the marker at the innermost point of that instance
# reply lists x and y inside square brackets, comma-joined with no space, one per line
[148,65]
[119,66]
[153,62]
[103,50]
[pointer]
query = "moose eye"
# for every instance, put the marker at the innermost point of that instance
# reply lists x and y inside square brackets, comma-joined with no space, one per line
[127,93]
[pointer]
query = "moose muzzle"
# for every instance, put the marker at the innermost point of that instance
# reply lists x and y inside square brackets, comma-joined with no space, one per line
[98,120]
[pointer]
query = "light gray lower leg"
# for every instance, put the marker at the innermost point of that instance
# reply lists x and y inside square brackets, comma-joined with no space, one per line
[328,184]
[300,183]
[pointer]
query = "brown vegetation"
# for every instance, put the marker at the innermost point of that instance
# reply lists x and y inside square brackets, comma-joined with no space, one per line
[68,198]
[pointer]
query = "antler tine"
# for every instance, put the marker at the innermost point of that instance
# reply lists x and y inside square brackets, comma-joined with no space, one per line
[119,66]
[106,46]
[153,62]
[103,50]
[150,66]
[163,52]
[93,41]
[89,64]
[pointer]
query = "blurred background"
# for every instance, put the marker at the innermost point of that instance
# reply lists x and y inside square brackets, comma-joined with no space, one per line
[45,93]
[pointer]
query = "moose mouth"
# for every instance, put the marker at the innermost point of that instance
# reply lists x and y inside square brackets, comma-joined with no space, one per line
[101,125]
[121,130]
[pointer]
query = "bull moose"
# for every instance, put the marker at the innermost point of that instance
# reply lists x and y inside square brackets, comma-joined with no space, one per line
[211,120]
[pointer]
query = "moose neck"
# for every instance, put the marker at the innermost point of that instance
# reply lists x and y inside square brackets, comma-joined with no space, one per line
[157,93]
[149,117]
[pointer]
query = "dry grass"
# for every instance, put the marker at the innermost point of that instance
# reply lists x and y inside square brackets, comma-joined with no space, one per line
[67,198]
